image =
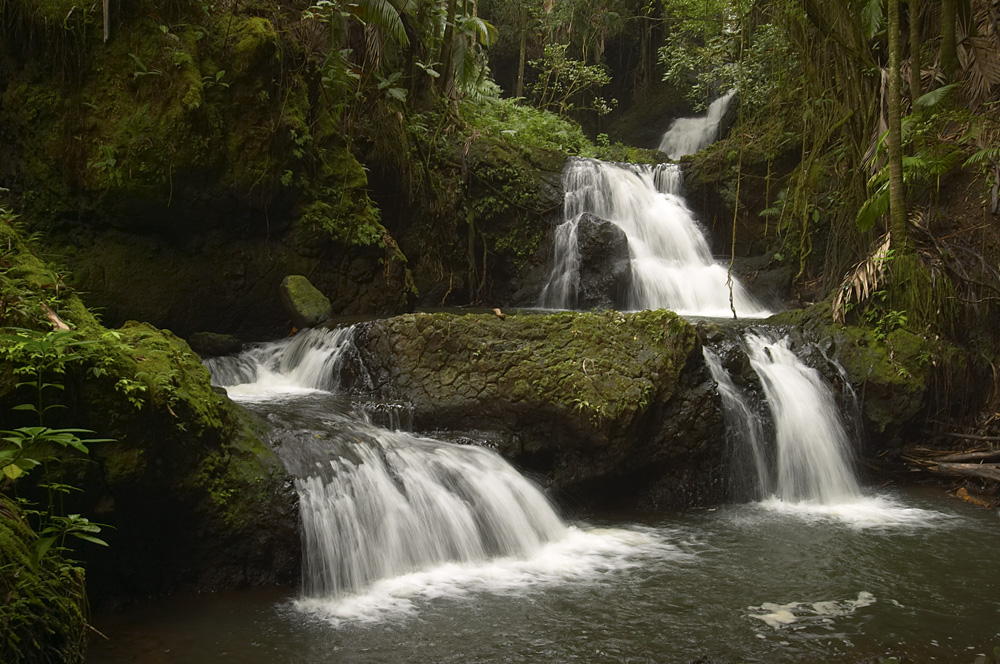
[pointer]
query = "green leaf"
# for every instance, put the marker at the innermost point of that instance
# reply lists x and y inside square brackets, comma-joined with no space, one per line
[42,546]
[90,538]
[26,406]
[874,208]
[873,18]
[935,97]
[12,471]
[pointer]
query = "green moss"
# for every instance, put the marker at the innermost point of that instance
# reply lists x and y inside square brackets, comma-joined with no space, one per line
[602,369]
[43,608]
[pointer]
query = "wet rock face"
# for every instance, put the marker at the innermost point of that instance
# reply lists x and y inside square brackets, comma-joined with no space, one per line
[605,268]
[600,404]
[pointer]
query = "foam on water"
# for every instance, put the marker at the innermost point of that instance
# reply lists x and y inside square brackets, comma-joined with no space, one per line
[861,513]
[583,555]
[781,616]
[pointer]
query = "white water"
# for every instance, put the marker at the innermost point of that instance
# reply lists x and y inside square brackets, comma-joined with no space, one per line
[745,425]
[672,266]
[303,363]
[813,449]
[689,135]
[407,504]
[389,517]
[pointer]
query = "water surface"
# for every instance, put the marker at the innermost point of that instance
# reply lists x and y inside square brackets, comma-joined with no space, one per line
[908,573]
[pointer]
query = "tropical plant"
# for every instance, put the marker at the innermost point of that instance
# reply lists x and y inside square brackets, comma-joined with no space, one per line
[40,359]
[565,84]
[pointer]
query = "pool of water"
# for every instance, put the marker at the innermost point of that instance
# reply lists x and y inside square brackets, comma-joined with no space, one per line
[908,573]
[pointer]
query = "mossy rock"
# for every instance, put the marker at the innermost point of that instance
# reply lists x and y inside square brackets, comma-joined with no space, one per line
[42,607]
[304,303]
[580,397]
[891,372]
[196,498]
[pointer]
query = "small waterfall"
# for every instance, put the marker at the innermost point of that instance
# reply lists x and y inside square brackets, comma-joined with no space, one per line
[564,280]
[672,266]
[689,135]
[374,502]
[743,424]
[309,360]
[813,449]
[405,503]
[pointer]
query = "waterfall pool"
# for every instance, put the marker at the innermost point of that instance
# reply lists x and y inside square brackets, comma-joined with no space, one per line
[909,573]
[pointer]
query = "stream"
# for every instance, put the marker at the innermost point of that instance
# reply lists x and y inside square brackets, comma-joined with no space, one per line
[902,572]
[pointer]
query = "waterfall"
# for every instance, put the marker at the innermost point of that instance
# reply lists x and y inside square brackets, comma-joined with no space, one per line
[307,361]
[813,449]
[376,503]
[405,503]
[744,425]
[689,135]
[672,266]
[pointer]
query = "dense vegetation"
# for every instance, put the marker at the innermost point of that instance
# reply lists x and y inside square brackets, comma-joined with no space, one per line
[183,156]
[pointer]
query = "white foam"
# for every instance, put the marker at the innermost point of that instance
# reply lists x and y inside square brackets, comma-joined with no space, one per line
[780,616]
[583,555]
[861,513]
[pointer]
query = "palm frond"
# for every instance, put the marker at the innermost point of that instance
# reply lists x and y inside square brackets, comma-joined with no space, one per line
[384,16]
[863,280]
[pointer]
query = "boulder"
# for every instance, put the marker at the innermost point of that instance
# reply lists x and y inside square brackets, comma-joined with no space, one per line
[598,403]
[305,305]
[605,265]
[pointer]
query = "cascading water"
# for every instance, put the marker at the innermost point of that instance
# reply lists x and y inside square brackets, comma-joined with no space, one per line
[404,503]
[689,135]
[744,425]
[813,449]
[672,266]
[376,503]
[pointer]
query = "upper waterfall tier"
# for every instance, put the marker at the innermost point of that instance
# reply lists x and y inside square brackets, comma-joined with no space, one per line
[671,264]
[689,135]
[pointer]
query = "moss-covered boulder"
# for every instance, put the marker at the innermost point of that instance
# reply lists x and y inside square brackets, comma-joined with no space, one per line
[891,372]
[595,401]
[195,497]
[42,607]
[304,303]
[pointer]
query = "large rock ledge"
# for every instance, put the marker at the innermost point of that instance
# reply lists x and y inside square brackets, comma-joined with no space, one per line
[606,404]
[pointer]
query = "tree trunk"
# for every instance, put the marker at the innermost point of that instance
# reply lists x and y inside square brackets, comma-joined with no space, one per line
[897,194]
[448,51]
[949,52]
[522,51]
[915,60]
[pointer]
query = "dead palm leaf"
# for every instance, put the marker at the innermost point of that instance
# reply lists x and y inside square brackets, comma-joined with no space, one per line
[862,281]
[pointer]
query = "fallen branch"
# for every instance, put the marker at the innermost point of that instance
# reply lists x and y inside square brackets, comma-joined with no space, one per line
[963,436]
[57,323]
[989,471]
[962,457]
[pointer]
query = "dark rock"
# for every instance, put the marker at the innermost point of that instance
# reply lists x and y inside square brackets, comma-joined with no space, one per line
[605,268]
[212,344]
[305,305]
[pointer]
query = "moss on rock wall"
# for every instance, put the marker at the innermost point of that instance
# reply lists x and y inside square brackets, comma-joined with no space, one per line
[196,498]
[42,608]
